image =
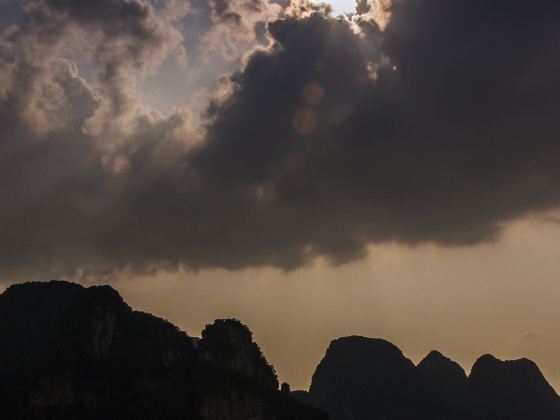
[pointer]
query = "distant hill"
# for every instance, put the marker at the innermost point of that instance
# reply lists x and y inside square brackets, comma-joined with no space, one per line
[367,379]
[69,352]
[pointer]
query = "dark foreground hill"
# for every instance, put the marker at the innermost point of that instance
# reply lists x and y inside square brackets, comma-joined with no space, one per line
[366,379]
[69,352]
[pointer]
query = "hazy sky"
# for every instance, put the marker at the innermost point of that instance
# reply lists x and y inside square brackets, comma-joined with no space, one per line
[392,172]
[500,299]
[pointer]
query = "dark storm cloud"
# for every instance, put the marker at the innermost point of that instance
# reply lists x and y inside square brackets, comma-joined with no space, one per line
[456,135]
[438,129]
[465,127]
[56,179]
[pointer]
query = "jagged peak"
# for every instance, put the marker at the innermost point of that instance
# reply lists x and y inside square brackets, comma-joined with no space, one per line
[228,344]
[434,357]
[437,362]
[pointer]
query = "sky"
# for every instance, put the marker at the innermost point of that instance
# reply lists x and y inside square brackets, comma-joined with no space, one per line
[386,168]
[499,298]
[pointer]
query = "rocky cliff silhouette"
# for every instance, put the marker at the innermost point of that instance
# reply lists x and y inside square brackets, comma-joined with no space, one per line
[69,352]
[363,378]
[514,389]
[366,379]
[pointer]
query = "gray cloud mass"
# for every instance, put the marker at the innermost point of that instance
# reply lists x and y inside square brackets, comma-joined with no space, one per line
[438,128]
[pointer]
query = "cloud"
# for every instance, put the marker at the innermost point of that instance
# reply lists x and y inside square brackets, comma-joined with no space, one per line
[532,335]
[438,128]
[128,38]
[452,134]
[62,136]
[236,25]
[376,10]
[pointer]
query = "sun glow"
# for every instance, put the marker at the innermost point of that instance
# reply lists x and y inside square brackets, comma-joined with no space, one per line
[341,7]
[378,10]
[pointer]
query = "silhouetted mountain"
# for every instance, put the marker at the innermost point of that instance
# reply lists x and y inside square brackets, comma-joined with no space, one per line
[228,345]
[69,352]
[511,390]
[367,379]
[447,383]
[363,378]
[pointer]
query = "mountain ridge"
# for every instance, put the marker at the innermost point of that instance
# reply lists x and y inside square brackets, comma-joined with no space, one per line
[67,351]
[357,380]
